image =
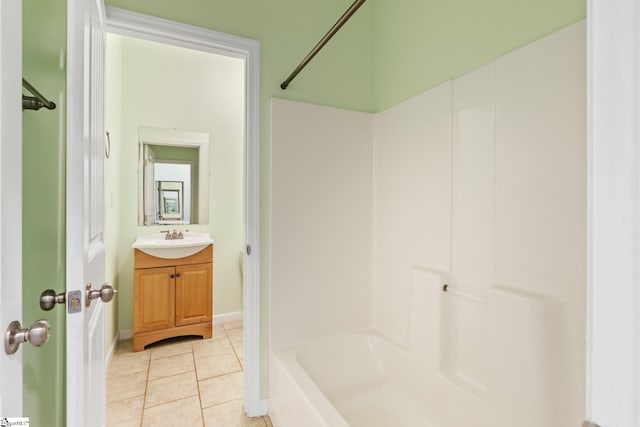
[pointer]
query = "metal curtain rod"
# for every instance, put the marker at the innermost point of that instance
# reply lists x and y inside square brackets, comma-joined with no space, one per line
[37,101]
[344,18]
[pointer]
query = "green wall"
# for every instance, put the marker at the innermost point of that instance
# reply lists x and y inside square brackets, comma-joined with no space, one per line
[43,199]
[422,43]
[287,29]
[167,152]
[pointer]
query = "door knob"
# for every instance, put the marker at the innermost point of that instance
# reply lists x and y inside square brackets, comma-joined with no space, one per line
[49,299]
[37,335]
[105,293]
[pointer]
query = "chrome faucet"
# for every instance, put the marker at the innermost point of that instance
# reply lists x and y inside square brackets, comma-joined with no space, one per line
[173,235]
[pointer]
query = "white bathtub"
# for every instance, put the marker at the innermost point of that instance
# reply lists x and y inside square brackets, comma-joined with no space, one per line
[355,380]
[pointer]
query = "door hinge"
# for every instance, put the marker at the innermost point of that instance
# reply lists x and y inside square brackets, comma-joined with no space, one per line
[590,424]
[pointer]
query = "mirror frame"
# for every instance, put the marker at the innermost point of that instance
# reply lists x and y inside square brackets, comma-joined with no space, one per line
[176,138]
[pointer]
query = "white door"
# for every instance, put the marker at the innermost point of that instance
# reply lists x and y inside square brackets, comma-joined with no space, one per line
[86,377]
[11,200]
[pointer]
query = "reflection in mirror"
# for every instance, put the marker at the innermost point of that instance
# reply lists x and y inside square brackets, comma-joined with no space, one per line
[171,202]
[173,177]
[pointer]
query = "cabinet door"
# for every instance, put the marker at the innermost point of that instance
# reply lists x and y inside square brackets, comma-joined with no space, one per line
[154,299]
[193,294]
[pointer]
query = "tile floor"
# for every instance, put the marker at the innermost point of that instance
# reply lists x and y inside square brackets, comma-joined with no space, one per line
[180,382]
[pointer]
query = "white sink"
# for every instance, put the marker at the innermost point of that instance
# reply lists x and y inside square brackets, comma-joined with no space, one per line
[158,246]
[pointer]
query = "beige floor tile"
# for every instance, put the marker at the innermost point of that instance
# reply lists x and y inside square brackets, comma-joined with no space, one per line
[239,349]
[220,364]
[171,347]
[217,390]
[172,394]
[172,365]
[125,412]
[124,423]
[218,330]
[212,347]
[230,414]
[167,389]
[235,335]
[234,324]
[180,413]
[127,364]
[125,387]
[125,346]
[268,421]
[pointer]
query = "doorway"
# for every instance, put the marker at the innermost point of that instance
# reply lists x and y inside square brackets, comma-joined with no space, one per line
[189,51]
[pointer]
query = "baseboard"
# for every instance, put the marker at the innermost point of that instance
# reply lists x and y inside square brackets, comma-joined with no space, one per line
[125,334]
[112,349]
[218,319]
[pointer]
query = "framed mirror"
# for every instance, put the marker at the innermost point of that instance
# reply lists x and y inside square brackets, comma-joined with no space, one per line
[173,177]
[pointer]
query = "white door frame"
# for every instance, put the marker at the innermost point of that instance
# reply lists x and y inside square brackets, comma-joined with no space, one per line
[160,30]
[11,201]
[613,289]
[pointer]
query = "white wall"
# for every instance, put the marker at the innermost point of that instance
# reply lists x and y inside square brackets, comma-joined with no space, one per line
[113,124]
[321,204]
[480,184]
[169,87]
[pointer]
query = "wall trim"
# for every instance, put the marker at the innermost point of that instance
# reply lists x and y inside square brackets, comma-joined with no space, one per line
[220,319]
[112,350]
[613,247]
[147,27]
[125,334]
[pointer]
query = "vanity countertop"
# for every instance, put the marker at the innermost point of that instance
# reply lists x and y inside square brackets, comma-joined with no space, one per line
[159,246]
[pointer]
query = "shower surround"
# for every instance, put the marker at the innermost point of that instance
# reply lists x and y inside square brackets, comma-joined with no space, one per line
[452,229]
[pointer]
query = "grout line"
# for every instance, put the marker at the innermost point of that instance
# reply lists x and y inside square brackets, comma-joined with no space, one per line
[146,386]
[222,403]
[235,353]
[195,367]
[219,375]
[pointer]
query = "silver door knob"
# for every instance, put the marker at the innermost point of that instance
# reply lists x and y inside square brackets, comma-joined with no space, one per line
[49,299]
[37,335]
[105,293]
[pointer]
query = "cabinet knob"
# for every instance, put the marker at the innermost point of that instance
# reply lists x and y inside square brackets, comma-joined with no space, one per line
[178,274]
[172,276]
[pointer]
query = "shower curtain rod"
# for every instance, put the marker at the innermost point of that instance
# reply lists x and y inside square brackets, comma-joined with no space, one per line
[37,101]
[344,18]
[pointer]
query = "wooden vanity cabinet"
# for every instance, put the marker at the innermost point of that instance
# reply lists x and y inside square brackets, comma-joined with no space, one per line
[172,297]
